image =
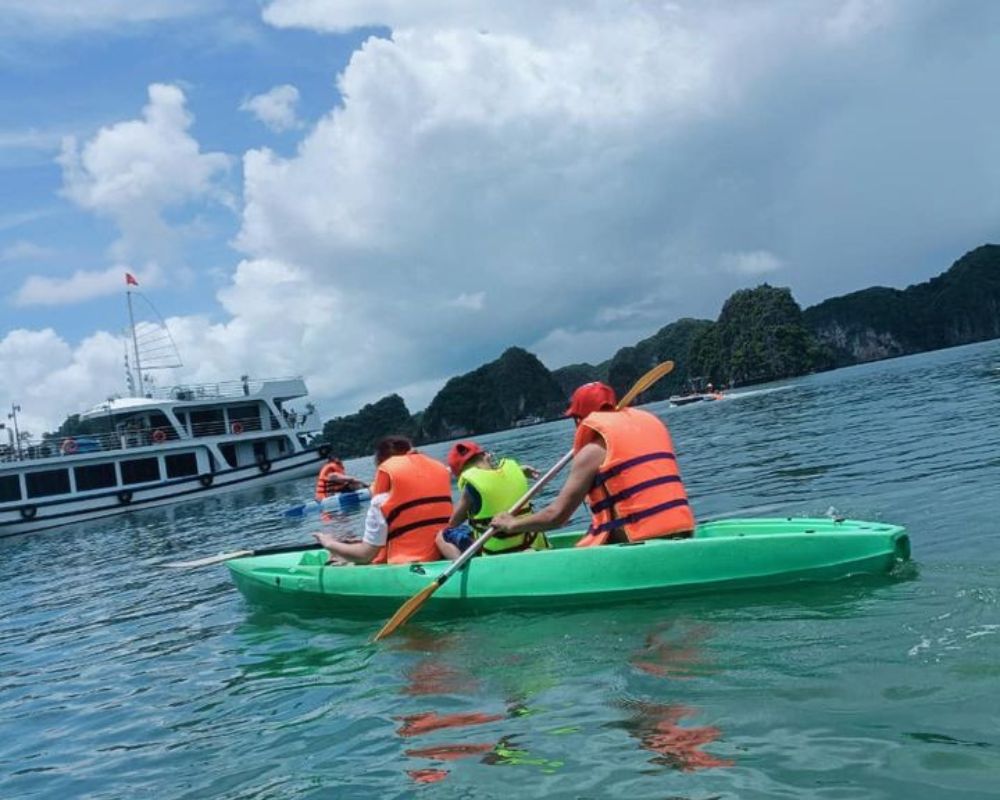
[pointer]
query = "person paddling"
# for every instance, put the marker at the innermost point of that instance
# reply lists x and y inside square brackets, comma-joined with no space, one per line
[332,479]
[411,502]
[487,489]
[624,466]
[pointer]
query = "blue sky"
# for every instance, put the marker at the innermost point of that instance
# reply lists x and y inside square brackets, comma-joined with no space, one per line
[380,194]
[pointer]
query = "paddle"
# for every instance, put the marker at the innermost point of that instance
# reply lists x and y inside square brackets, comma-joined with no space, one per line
[411,606]
[260,551]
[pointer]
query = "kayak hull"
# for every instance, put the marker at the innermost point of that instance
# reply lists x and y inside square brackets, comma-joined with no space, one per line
[340,501]
[722,556]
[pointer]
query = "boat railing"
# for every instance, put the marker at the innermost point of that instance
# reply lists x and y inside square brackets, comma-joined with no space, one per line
[214,391]
[129,437]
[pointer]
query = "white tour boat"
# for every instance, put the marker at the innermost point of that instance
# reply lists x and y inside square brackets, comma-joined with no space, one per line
[181,443]
[165,446]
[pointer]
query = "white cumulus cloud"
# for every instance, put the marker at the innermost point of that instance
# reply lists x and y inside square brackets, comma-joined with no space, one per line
[134,171]
[82,285]
[275,108]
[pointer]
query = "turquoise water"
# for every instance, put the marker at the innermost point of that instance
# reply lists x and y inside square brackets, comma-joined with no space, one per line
[120,679]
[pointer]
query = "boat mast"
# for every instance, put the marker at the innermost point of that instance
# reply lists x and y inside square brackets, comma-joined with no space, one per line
[135,342]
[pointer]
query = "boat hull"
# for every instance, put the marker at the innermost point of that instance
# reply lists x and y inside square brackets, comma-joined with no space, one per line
[722,556]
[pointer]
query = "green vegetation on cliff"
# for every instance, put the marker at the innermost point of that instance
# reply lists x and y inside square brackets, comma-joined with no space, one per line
[959,306]
[759,336]
[493,397]
[356,434]
[672,342]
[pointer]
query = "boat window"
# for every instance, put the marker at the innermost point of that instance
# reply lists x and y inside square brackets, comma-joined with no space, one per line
[181,465]
[49,482]
[208,422]
[274,421]
[140,470]
[10,489]
[248,417]
[159,422]
[95,476]
[229,453]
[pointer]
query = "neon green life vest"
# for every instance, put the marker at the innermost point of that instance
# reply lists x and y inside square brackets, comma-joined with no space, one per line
[499,489]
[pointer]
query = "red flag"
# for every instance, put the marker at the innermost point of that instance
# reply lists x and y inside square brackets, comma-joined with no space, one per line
[130,280]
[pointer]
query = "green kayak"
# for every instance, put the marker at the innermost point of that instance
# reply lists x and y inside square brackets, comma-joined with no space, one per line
[722,555]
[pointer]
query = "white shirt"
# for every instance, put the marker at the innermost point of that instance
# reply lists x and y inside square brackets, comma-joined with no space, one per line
[376,528]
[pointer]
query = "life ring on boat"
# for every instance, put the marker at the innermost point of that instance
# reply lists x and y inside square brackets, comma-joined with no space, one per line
[159,436]
[206,479]
[324,451]
[68,446]
[236,427]
[264,465]
[28,512]
[125,498]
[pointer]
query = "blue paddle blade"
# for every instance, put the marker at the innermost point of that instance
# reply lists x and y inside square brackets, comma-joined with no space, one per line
[294,512]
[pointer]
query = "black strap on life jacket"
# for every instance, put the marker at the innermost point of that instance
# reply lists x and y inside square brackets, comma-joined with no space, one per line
[612,499]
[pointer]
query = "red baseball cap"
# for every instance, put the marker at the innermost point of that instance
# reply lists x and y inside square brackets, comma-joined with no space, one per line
[591,397]
[460,454]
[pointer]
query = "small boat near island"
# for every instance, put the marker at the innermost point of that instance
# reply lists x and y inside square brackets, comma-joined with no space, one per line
[159,446]
[723,555]
[698,392]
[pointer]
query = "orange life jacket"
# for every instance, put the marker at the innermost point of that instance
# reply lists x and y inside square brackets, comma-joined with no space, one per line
[326,481]
[638,489]
[418,506]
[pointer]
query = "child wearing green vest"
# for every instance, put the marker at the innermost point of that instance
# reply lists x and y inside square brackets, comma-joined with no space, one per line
[486,489]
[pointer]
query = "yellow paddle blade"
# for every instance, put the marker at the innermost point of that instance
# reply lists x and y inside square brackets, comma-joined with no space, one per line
[645,382]
[407,610]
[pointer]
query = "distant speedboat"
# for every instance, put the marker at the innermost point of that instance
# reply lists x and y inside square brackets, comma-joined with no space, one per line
[685,399]
[165,446]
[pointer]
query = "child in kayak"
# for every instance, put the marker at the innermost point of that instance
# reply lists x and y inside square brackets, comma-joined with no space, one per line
[486,489]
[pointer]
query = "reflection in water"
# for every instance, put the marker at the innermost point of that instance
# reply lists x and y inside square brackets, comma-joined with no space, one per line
[672,654]
[435,676]
[676,657]
[657,729]
[419,724]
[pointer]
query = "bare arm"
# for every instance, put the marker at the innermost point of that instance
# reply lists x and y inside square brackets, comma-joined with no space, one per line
[461,511]
[586,463]
[355,552]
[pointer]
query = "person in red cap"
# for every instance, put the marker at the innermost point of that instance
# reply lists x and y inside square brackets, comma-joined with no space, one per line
[625,467]
[486,489]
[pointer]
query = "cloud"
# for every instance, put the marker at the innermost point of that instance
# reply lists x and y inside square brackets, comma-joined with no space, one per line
[24,17]
[275,108]
[50,379]
[25,251]
[756,262]
[39,290]
[584,172]
[30,139]
[134,171]
[470,301]
[592,166]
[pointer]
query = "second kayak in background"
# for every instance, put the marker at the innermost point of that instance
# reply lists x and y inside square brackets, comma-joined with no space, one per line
[341,501]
